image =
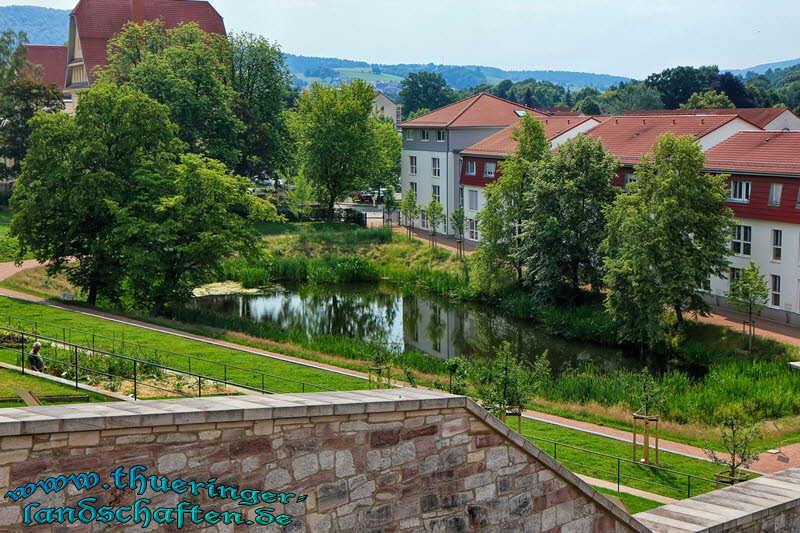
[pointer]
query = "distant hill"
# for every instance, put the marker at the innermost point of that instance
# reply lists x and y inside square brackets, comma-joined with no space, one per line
[761,69]
[43,25]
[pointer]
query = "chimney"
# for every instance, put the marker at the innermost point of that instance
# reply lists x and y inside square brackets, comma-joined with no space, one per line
[137,11]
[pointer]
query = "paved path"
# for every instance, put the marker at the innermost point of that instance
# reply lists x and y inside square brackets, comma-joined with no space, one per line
[610,485]
[767,464]
[448,243]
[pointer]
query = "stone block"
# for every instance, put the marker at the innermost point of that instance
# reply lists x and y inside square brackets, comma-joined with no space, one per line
[305,466]
[345,466]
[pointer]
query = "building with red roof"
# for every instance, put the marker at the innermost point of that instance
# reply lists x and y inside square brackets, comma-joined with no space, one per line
[52,59]
[766,118]
[764,194]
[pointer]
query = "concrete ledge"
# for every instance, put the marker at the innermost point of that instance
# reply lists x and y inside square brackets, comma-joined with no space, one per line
[98,416]
[761,500]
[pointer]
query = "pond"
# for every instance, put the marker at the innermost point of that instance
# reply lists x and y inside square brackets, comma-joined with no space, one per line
[425,324]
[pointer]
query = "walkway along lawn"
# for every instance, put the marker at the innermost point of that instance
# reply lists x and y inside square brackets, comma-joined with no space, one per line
[635,503]
[190,347]
[41,387]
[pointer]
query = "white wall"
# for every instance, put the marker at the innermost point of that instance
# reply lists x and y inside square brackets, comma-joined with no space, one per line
[424,177]
[571,134]
[786,120]
[723,132]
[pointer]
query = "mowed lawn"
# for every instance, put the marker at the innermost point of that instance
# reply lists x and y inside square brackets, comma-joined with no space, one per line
[41,387]
[288,377]
[672,485]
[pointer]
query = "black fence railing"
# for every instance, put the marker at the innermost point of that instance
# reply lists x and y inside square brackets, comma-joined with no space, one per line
[679,484]
[91,360]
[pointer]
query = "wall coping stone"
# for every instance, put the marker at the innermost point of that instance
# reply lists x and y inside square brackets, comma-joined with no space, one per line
[94,416]
[728,507]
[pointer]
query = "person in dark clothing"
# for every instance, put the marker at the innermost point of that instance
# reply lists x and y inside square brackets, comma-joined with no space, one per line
[37,363]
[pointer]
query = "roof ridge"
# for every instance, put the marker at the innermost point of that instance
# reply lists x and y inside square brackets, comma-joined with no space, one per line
[472,103]
[443,107]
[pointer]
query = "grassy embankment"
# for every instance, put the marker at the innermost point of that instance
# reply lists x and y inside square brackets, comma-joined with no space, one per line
[330,253]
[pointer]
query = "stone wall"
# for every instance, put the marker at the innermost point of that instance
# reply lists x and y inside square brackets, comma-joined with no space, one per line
[378,461]
[765,504]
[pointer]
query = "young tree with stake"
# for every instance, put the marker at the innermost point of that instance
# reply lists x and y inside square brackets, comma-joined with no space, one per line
[749,294]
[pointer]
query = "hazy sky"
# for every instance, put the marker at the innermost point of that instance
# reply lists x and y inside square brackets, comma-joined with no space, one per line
[625,37]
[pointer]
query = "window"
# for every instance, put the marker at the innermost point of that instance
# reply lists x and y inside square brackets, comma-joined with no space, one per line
[409,135]
[488,170]
[473,200]
[435,192]
[412,164]
[424,135]
[413,186]
[440,136]
[630,177]
[424,222]
[776,290]
[473,229]
[472,168]
[67,97]
[735,274]
[739,191]
[777,243]
[741,242]
[775,191]
[437,171]
[461,197]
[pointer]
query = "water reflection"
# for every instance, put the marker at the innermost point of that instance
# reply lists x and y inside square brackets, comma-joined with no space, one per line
[430,325]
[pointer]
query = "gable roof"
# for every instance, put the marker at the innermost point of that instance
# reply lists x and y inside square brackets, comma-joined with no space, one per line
[478,110]
[772,152]
[97,21]
[53,60]
[629,138]
[501,143]
[758,116]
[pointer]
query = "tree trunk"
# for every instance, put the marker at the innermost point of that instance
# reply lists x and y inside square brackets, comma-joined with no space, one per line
[92,298]
[678,314]
[331,205]
[158,306]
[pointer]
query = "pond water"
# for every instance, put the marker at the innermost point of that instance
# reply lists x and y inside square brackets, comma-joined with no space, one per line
[430,325]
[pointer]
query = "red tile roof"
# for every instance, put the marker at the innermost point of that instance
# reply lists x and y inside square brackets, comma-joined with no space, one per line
[501,143]
[759,116]
[480,110]
[53,60]
[773,152]
[629,138]
[99,20]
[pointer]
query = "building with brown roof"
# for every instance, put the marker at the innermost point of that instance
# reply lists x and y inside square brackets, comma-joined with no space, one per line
[766,118]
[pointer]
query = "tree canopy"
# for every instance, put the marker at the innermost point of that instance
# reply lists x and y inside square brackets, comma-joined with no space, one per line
[708,100]
[425,90]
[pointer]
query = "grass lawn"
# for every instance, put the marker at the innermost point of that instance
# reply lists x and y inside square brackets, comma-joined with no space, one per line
[632,475]
[8,245]
[635,504]
[40,387]
[215,354]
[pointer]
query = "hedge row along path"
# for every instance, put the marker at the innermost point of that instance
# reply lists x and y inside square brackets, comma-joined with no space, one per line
[767,463]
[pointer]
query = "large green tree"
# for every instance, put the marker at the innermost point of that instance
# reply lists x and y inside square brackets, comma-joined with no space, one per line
[336,141]
[665,239]
[708,100]
[677,84]
[424,90]
[203,216]
[500,220]
[262,82]
[12,55]
[82,174]
[388,145]
[565,222]
[632,96]
[20,100]
[186,69]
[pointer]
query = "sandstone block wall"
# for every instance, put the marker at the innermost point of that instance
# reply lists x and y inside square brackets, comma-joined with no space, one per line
[379,461]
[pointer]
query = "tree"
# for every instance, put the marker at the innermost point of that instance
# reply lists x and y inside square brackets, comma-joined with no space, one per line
[708,100]
[500,220]
[631,97]
[335,135]
[677,84]
[646,395]
[565,220]
[749,294]
[733,87]
[186,69]
[262,82]
[588,106]
[528,100]
[418,113]
[12,55]
[436,217]
[410,209]
[20,100]
[737,441]
[390,204]
[458,221]
[425,90]
[504,384]
[388,145]
[301,196]
[82,175]
[665,239]
[502,88]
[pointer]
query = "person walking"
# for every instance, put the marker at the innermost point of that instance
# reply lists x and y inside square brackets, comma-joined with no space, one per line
[37,363]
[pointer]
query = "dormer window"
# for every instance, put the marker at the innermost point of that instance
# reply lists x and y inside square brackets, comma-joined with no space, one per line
[489,169]
[739,191]
[471,168]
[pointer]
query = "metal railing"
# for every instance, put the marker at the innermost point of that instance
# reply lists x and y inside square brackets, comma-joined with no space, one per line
[619,476]
[180,362]
[75,360]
